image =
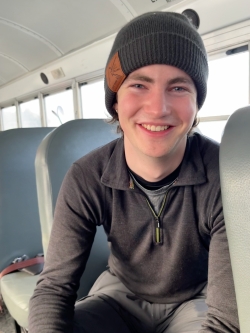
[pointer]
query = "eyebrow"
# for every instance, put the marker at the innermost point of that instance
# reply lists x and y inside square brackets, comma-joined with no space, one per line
[140,77]
[175,80]
[181,79]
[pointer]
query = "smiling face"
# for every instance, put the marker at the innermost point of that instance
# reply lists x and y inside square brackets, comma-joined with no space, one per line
[156,106]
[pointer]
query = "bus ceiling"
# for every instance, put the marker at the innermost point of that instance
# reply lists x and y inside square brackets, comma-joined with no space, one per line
[71,40]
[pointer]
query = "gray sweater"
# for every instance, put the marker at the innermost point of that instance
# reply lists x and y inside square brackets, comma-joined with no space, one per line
[192,251]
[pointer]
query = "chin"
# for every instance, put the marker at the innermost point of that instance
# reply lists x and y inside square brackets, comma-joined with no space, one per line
[157,155]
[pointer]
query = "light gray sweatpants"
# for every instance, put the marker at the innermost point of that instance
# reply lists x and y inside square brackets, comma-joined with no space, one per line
[110,307]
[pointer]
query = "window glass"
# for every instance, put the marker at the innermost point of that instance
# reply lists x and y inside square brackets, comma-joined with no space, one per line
[9,118]
[59,108]
[213,129]
[30,114]
[93,103]
[228,90]
[228,85]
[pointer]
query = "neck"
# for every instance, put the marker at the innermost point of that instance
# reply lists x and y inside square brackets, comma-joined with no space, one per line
[150,168]
[152,172]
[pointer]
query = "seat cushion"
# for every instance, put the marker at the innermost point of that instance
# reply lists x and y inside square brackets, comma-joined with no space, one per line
[16,289]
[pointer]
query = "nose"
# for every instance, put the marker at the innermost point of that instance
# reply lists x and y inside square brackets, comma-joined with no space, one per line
[158,104]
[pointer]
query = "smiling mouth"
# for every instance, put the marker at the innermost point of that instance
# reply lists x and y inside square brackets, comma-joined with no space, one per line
[154,128]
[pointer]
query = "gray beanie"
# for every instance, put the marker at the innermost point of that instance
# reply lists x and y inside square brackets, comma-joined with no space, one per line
[156,38]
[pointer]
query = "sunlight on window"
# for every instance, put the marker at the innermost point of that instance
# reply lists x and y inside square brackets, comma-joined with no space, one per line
[30,114]
[59,108]
[9,118]
[228,90]
[213,129]
[228,85]
[93,103]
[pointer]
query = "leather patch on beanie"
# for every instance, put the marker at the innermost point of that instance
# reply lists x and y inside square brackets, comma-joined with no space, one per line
[114,73]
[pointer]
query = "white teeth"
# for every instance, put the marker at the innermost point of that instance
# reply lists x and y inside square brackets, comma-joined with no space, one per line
[154,128]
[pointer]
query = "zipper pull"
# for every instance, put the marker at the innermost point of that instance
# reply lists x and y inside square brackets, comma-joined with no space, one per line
[157,230]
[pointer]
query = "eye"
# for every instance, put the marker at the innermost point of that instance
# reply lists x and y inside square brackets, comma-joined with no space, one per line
[138,85]
[179,89]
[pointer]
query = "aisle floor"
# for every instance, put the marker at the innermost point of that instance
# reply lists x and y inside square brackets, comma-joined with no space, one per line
[6,322]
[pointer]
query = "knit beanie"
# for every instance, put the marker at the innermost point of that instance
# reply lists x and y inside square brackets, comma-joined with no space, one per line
[156,38]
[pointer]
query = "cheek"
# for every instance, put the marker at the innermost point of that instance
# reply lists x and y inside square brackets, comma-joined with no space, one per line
[124,100]
[189,111]
[126,106]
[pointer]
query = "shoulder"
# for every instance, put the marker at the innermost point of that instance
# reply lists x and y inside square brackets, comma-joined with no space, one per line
[99,157]
[204,143]
[206,147]
[201,159]
[90,168]
[84,175]
[208,193]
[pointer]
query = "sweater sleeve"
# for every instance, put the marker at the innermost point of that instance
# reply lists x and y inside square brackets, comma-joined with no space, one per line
[222,316]
[73,231]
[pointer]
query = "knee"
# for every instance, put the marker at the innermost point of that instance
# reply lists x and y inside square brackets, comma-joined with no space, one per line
[98,314]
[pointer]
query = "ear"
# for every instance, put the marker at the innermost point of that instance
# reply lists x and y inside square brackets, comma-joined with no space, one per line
[115,107]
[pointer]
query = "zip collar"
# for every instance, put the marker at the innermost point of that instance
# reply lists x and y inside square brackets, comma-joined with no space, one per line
[192,172]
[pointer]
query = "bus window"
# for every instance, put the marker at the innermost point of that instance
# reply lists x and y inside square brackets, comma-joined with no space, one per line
[228,90]
[59,108]
[93,105]
[9,118]
[30,114]
[213,129]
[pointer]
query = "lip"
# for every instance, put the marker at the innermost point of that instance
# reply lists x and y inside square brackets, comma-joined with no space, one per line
[155,128]
[155,133]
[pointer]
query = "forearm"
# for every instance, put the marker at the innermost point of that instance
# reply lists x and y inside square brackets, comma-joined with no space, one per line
[222,316]
[217,324]
[52,305]
[50,312]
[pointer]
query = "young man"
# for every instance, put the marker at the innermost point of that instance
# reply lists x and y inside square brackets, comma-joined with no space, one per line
[156,192]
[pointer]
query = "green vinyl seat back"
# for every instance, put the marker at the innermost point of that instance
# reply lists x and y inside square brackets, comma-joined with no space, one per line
[235,186]
[20,231]
[55,155]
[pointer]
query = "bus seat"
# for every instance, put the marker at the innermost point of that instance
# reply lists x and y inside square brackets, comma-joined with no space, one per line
[235,185]
[20,231]
[55,155]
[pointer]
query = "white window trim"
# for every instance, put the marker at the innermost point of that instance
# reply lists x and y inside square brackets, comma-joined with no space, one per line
[18,114]
[219,41]
[212,118]
[249,73]
[1,120]
[77,100]
[226,38]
